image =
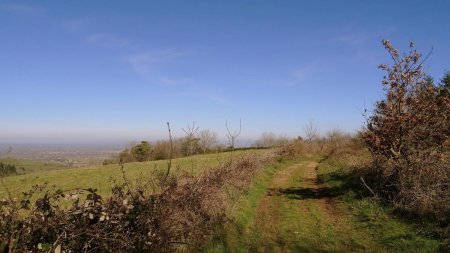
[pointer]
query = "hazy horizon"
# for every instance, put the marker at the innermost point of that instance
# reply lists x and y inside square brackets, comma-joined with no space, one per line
[118,71]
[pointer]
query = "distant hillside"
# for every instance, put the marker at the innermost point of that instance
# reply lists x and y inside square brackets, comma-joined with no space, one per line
[62,154]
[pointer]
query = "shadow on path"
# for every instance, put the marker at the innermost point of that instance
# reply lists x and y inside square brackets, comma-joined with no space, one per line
[306,192]
[315,190]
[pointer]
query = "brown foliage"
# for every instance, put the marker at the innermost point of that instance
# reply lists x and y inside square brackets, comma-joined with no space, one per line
[292,150]
[408,136]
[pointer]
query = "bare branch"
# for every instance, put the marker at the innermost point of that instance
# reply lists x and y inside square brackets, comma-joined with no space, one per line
[426,57]
[311,130]
[191,132]
[169,163]
[364,183]
[232,136]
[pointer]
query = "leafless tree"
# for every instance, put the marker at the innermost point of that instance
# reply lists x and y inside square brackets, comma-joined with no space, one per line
[190,133]
[311,130]
[207,139]
[233,135]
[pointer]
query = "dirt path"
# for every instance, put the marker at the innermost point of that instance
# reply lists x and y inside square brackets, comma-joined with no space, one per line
[300,214]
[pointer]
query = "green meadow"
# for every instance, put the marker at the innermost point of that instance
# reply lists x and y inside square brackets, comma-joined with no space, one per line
[101,176]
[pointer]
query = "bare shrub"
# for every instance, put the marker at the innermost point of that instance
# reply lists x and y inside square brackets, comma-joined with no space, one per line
[165,214]
[291,150]
[207,139]
[161,150]
[408,136]
[269,139]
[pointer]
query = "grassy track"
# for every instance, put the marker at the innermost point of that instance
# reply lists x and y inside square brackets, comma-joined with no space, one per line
[307,207]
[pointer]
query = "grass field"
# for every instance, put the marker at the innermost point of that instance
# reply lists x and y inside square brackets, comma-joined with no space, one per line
[24,166]
[100,177]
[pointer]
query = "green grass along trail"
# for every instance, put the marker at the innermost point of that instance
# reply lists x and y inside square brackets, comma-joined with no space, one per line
[298,212]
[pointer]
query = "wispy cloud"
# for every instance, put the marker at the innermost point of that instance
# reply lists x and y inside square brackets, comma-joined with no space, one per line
[22,9]
[108,40]
[182,81]
[205,95]
[143,63]
[351,38]
[215,98]
[303,73]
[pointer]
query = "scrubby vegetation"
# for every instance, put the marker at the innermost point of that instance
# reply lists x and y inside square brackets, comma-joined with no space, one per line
[381,228]
[7,169]
[408,135]
[315,201]
[164,214]
[192,144]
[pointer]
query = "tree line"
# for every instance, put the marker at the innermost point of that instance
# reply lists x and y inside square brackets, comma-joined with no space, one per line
[193,143]
[204,142]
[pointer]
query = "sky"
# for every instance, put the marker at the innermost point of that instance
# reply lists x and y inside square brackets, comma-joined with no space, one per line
[93,71]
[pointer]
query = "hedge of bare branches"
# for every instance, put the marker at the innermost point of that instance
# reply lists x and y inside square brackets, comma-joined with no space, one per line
[171,213]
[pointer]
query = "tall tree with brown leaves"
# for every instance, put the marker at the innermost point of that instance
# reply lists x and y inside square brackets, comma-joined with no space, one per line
[409,131]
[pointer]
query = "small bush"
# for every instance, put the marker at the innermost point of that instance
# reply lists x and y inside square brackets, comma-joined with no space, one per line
[7,169]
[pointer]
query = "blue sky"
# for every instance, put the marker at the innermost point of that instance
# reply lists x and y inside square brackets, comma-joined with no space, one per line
[118,70]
